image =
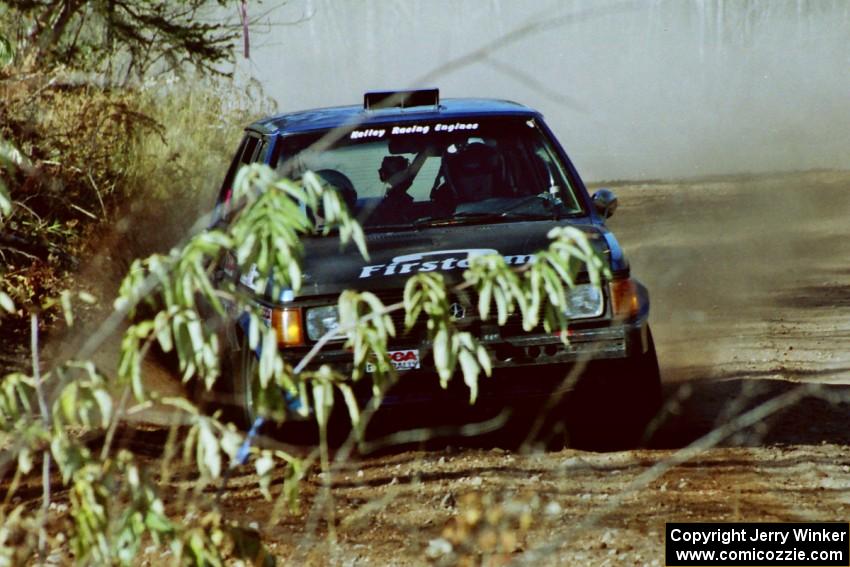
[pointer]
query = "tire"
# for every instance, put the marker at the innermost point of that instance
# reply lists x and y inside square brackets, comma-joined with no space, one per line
[236,395]
[243,377]
[614,402]
[231,394]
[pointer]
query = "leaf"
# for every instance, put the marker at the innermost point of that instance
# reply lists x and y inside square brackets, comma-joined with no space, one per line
[470,369]
[253,332]
[163,333]
[303,409]
[209,455]
[68,403]
[264,465]
[7,51]
[268,354]
[24,460]
[5,202]
[485,296]
[230,442]
[501,305]
[442,356]
[484,360]
[295,276]
[6,303]
[104,405]
[158,522]
[67,310]
[181,404]
[353,408]
[87,298]
[323,399]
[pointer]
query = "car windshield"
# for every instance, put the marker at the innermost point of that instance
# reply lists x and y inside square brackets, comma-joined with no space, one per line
[414,174]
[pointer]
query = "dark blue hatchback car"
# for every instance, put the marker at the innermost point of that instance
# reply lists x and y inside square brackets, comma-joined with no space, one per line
[435,183]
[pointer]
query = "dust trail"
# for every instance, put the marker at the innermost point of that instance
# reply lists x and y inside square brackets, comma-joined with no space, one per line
[144,227]
[736,264]
[654,88]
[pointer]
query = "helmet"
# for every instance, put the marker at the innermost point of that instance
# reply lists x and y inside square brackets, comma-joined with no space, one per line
[342,184]
[475,172]
[392,165]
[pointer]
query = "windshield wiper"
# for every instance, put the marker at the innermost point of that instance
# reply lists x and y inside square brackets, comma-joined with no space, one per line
[388,227]
[548,201]
[469,217]
[549,207]
[507,215]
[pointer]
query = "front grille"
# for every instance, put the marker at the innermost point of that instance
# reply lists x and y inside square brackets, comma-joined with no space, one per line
[470,320]
[389,297]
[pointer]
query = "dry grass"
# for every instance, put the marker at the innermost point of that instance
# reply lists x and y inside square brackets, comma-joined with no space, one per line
[106,176]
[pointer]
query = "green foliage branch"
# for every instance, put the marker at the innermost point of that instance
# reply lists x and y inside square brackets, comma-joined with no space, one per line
[114,504]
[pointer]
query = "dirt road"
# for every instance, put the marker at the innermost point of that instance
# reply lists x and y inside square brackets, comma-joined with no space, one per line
[750,284]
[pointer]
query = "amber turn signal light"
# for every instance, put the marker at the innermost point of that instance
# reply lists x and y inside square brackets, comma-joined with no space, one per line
[625,302]
[288,326]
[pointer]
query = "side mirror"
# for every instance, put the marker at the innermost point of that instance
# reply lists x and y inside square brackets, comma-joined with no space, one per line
[605,202]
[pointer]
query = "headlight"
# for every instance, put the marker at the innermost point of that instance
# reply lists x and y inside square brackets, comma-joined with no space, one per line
[321,320]
[583,301]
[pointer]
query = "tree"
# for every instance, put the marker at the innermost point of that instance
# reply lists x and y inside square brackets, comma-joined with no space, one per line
[122,39]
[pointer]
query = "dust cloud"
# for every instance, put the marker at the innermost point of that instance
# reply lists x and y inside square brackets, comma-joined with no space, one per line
[634,89]
[745,272]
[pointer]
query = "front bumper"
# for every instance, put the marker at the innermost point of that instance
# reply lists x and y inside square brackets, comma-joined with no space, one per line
[525,363]
[511,359]
[594,343]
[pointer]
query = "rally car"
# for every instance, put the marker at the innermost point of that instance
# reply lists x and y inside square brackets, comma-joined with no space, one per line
[434,183]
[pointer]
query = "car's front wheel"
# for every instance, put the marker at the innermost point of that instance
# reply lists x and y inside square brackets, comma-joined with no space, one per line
[244,366]
[233,392]
[613,404]
[248,401]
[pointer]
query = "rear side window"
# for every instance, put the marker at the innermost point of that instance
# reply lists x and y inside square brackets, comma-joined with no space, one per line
[252,146]
[251,149]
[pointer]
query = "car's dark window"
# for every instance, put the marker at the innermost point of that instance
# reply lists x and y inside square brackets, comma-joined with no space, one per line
[250,150]
[438,170]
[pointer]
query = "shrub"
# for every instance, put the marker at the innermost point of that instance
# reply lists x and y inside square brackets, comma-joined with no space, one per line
[101,172]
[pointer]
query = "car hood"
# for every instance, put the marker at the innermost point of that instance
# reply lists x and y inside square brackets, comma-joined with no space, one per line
[397,255]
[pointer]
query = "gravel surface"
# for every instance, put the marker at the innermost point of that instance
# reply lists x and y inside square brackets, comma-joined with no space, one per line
[750,284]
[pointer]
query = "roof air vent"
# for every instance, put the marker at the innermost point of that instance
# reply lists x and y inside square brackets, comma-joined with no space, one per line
[377,100]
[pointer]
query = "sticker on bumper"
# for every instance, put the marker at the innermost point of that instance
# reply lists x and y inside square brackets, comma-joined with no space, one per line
[400,359]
